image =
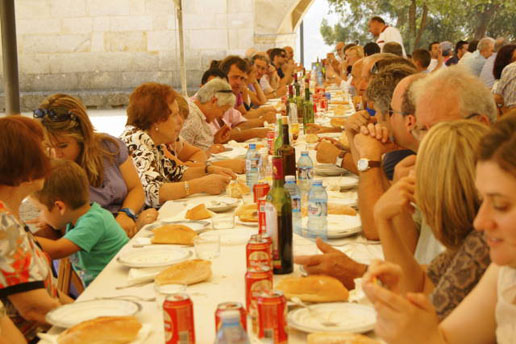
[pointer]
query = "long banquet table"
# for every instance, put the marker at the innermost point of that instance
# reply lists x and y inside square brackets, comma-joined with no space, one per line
[226,284]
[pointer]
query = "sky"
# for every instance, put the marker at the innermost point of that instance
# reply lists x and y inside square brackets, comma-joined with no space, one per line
[314,43]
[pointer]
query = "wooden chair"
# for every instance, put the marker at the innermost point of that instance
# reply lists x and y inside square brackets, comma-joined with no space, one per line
[66,277]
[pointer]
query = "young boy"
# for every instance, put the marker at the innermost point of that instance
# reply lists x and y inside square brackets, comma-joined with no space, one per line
[92,237]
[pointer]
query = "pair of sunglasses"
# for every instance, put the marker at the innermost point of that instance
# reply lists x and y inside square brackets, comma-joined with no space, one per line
[54,115]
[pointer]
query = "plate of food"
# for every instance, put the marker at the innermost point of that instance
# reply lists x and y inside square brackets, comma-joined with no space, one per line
[153,256]
[247,215]
[342,226]
[333,317]
[197,226]
[222,204]
[329,170]
[72,314]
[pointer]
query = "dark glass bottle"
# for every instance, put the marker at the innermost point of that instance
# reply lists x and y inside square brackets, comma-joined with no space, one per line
[286,151]
[278,214]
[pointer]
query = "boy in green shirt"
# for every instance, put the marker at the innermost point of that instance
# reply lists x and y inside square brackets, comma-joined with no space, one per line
[92,237]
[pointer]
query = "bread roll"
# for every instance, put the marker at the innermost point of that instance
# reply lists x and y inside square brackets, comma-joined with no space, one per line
[315,288]
[238,189]
[187,272]
[248,212]
[102,330]
[340,209]
[343,139]
[340,102]
[339,338]
[337,122]
[173,234]
[311,138]
[198,213]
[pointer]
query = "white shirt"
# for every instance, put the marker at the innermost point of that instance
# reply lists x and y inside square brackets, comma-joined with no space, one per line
[265,84]
[433,64]
[390,34]
[486,75]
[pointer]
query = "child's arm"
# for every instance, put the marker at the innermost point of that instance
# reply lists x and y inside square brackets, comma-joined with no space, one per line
[57,249]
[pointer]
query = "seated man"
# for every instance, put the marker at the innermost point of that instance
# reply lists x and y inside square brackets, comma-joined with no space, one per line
[92,237]
[421,58]
[283,66]
[393,48]
[261,63]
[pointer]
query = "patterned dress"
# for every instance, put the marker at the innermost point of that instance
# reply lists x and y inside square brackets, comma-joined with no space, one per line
[153,166]
[456,273]
[23,267]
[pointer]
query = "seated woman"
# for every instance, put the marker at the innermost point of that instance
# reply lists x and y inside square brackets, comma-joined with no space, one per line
[114,182]
[252,91]
[153,122]
[27,288]
[9,334]
[487,314]
[446,197]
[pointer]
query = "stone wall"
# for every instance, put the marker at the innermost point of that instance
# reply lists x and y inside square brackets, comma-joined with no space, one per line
[101,49]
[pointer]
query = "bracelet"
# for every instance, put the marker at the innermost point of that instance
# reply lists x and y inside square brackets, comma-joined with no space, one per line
[187,188]
[129,213]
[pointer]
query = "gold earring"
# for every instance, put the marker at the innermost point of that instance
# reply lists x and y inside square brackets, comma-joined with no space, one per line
[156,128]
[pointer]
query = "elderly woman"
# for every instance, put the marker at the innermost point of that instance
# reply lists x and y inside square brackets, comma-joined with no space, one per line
[212,100]
[153,122]
[27,288]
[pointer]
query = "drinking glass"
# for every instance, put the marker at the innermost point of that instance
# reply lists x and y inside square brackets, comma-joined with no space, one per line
[207,246]
[223,221]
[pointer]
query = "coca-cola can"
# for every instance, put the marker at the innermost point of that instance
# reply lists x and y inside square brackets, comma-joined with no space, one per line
[179,319]
[230,306]
[270,141]
[260,190]
[257,279]
[262,222]
[272,317]
[258,252]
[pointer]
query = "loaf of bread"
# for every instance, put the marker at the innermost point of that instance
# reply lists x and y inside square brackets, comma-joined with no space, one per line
[173,234]
[337,122]
[314,288]
[311,138]
[339,338]
[198,213]
[187,272]
[248,212]
[237,189]
[102,330]
[340,209]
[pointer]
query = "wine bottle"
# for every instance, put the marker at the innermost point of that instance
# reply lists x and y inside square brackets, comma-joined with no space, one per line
[279,136]
[286,151]
[278,217]
[308,113]
[297,86]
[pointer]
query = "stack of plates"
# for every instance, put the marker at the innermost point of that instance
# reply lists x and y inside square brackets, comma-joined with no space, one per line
[340,226]
[329,170]
[153,256]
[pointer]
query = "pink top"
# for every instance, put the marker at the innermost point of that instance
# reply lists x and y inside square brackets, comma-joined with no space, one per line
[231,118]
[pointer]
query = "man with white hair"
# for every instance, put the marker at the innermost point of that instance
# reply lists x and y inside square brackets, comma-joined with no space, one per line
[476,61]
[211,102]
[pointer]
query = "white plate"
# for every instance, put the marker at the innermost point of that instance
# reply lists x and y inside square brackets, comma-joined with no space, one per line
[350,317]
[69,315]
[153,256]
[330,172]
[341,226]
[231,236]
[334,197]
[341,183]
[222,204]
[197,226]
[247,224]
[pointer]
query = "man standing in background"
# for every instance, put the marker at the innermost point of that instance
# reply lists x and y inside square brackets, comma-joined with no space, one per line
[385,33]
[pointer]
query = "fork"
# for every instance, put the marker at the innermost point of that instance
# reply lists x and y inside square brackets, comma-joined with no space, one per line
[135,297]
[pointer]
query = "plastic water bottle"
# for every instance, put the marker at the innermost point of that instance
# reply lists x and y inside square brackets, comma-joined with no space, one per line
[252,166]
[295,196]
[305,168]
[231,331]
[317,211]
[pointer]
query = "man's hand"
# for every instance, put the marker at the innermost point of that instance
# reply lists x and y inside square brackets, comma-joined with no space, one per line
[404,167]
[333,141]
[312,128]
[222,135]
[269,117]
[369,147]
[357,120]
[216,148]
[260,132]
[327,153]
[333,263]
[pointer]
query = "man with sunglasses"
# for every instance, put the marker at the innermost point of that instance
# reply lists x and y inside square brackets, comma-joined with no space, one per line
[283,65]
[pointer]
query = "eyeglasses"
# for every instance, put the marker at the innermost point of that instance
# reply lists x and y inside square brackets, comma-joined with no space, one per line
[54,115]
[224,91]
[392,112]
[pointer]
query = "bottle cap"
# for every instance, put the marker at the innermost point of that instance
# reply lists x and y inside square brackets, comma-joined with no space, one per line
[252,146]
[316,182]
[304,153]
[230,314]
[290,179]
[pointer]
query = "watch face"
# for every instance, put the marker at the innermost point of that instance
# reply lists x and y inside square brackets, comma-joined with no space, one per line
[362,164]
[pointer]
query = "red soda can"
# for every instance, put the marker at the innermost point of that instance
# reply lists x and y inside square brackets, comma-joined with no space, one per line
[258,252]
[270,141]
[272,316]
[262,229]
[260,190]
[257,279]
[179,319]
[230,306]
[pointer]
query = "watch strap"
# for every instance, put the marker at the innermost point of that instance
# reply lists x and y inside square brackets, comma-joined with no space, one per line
[129,213]
[374,163]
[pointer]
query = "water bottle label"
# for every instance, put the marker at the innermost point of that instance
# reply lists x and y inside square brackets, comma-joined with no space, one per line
[271,220]
[317,208]
[296,204]
[306,173]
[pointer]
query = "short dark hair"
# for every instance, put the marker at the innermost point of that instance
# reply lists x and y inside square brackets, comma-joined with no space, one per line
[240,63]
[503,58]
[371,48]
[431,44]
[472,46]
[423,56]
[459,45]
[347,46]
[213,72]
[391,59]
[378,19]
[393,48]
[275,52]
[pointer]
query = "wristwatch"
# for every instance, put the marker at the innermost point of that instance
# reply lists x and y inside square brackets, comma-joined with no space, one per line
[129,213]
[340,159]
[365,164]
